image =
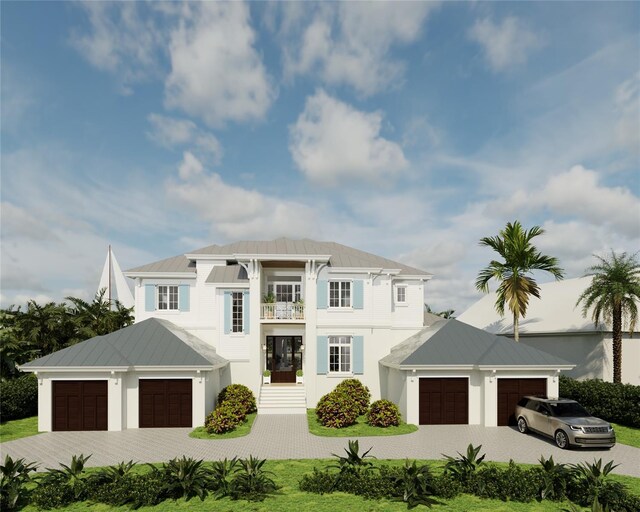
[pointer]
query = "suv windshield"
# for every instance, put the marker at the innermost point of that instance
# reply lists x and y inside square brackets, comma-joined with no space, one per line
[568,410]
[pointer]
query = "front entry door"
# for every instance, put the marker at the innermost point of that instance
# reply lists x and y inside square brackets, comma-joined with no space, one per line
[284,357]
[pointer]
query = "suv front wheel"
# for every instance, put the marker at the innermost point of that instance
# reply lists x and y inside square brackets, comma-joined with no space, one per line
[562,440]
[522,425]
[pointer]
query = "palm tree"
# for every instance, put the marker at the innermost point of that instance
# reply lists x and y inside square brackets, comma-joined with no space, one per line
[521,258]
[613,294]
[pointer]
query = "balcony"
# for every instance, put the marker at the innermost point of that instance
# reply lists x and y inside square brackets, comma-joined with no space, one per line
[282,311]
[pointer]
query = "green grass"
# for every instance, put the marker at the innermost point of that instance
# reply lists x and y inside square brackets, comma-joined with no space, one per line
[239,431]
[287,473]
[360,429]
[16,429]
[627,435]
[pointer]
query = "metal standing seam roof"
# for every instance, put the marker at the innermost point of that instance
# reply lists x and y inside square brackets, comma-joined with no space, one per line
[152,342]
[340,255]
[228,274]
[450,342]
[178,263]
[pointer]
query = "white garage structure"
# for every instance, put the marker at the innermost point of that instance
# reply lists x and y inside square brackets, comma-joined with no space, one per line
[150,374]
[452,373]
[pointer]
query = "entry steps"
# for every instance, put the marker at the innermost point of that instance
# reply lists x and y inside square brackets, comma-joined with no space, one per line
[282,399]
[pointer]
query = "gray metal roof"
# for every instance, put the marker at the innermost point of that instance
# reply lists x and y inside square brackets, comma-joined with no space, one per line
[152,342]
[450,342]
[228,274]
[178,263]
[340,255]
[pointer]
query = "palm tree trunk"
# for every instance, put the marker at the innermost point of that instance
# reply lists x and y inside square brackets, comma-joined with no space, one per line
[617,343]
[516,327]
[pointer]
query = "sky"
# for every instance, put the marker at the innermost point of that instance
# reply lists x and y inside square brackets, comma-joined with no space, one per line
[409,130]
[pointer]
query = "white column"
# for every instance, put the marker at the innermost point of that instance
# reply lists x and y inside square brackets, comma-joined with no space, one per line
[310,335]
[115,401]
[198,404]
[255,327]
[45,399]
[413,398]
[490,399]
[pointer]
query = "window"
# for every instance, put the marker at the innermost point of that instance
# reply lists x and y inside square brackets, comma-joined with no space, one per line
[339,354]
[236,312]
[285,292]
[168,298]
[339,294]
[401,294]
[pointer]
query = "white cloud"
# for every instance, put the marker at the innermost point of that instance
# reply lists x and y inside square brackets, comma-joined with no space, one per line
[120,42]
[170,133]
[627,100]
[504,44]
[190,166]
[331,140]
[350,42]
[216,73]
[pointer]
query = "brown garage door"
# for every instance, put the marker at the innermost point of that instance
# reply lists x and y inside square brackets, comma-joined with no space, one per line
[510,391]
[165,403]
[444,401]
[80,405]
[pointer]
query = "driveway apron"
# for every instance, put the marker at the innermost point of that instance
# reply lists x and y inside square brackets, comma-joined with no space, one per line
[288,437]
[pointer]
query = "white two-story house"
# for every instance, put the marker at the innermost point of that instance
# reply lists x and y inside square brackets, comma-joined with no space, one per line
[225,314]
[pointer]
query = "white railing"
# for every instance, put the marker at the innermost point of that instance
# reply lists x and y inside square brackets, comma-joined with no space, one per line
[282,311]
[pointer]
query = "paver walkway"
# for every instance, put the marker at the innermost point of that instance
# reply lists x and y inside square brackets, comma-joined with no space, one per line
[288,437]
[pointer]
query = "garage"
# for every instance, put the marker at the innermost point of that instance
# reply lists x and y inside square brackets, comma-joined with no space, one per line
[444,401]
[165,403]
[510,391]
[80,405]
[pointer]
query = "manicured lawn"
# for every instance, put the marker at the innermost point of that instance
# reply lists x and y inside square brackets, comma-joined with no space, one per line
[287,473]
[360,429]
[627,435]
[16,429]
[240,431]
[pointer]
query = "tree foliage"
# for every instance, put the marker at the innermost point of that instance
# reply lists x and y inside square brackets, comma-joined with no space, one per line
[519,259]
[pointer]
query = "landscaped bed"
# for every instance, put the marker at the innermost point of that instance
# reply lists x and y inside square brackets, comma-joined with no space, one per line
[360,429]
[241,430]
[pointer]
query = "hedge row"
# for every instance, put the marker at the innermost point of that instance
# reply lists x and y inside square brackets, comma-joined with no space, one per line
[18,398]
[619,403]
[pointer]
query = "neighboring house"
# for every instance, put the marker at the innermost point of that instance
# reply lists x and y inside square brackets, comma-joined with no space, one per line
[555,324]
[225,314]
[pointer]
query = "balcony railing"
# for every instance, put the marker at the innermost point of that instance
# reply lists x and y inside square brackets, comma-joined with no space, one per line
[282,311]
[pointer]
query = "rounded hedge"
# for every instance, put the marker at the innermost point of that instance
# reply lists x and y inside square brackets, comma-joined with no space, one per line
[383,413]
[358,392]
[18,398]
[225,418]
[337,410]
[239,394]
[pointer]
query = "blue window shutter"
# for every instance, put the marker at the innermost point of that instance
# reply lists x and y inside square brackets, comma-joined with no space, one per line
[227,312]
[245,312]
[183,297]
[323,355]
[358,355]
[322,294]
[358,294]
[149,297]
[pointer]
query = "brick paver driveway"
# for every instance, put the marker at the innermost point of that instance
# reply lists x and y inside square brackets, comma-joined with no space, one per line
[287,437]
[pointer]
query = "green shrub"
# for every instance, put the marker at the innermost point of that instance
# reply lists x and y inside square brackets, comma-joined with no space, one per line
[619,403]
[337,410]
[318,482]
[368,484]
[446,486]
[358,392]
[383,413]
[225,418]
[513,483]
[116,493]
[50,494]
[239,394]
[147,490]
[18,398]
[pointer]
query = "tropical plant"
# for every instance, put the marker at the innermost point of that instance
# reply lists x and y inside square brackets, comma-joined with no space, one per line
[221,473]
[185,478]
[353,462]
[520,259]
[612,297]
[251,481]
[554,479]
[463,466]
[71,475]
[98,317]
[18,397]
[113,474]
[269,298]
[447,313]
[14,474]
[415,483]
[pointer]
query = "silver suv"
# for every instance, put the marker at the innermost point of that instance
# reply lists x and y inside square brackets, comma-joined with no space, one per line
[566,421]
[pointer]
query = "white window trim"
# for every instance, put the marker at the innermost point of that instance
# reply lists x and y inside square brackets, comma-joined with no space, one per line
[329,345]
[241,331]
[340,308]
[395,295]
[168,309]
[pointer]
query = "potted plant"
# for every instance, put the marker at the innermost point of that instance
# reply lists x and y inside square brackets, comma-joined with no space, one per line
[299,379]
[269,298]
[299,310]
[266,377]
